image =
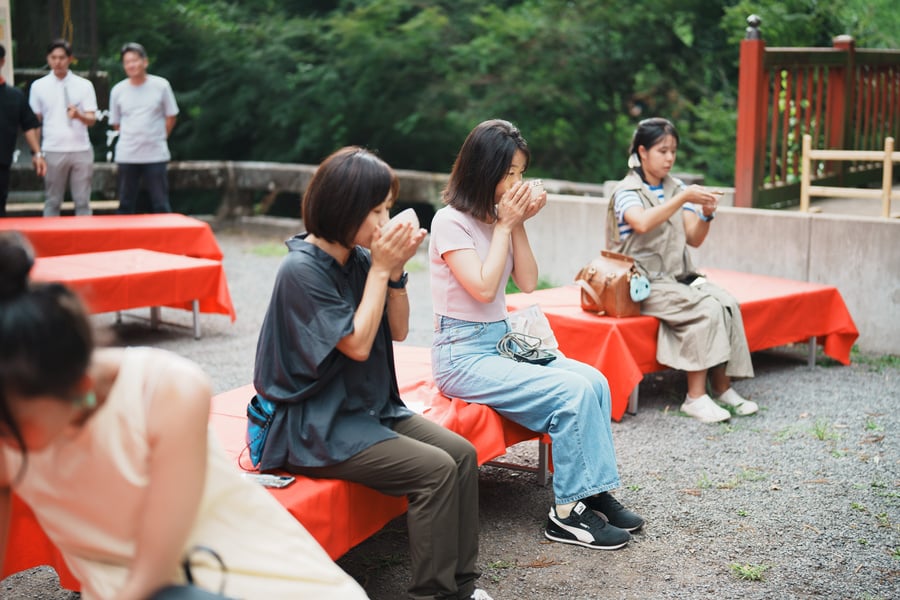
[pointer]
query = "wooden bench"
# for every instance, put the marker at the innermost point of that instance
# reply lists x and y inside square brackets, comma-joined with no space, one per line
[775,311]
[314,502]
[124,279]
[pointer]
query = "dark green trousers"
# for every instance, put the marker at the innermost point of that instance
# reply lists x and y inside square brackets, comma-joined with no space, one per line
[437,470]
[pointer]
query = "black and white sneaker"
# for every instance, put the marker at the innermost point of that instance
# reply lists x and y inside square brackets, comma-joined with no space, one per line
[584,528]
[614,512]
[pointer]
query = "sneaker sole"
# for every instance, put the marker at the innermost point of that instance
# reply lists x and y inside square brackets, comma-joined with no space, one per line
[584,544]
[703,419]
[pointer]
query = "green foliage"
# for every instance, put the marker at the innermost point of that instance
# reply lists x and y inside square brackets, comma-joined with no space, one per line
[292,80]
[512,288]
[749,572]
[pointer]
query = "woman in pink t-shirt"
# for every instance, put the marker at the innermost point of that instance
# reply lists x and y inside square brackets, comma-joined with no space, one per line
[477,242]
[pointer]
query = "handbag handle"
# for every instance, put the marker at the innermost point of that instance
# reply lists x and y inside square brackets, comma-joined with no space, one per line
[186,565]
[617,256]
[586,287]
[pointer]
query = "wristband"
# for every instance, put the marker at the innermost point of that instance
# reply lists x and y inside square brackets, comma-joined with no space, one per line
[709,218]
[400,284]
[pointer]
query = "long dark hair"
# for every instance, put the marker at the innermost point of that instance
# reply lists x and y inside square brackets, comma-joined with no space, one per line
[483,161]
[46,340]
[648,133]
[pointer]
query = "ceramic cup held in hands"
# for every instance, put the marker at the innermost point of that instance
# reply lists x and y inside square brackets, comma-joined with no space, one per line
[404,216]
[537,188]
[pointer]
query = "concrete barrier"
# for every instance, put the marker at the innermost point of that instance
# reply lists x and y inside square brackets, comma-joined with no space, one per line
[858,255]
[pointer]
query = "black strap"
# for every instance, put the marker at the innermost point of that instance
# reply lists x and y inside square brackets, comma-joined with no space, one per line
[186,565]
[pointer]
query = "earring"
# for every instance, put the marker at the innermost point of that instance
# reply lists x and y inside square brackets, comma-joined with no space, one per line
[89,400]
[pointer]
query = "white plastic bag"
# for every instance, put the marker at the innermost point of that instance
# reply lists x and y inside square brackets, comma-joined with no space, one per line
[532,321]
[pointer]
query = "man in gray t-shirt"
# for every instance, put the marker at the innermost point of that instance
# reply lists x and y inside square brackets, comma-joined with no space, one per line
[143,109]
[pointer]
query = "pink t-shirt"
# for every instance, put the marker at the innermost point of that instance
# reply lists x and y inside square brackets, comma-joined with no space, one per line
[455,230]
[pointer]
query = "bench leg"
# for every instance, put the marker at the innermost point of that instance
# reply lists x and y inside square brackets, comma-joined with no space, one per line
[196,310]
[543,472]
[811,358]
[154,317]
[633,400]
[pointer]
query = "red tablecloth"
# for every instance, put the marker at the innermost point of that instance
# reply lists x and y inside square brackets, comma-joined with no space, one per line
[776,311]
[170,232]
[123,279]
[362,511]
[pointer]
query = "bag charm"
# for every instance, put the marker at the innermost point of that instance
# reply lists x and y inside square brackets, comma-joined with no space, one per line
[640,287]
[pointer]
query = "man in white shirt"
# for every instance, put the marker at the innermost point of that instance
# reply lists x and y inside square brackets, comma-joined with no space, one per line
[66,105]
[143,109]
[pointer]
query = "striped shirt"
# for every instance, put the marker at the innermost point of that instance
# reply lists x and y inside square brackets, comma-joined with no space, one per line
[629,198]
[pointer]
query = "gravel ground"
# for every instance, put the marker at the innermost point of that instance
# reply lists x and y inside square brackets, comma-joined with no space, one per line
[801,499]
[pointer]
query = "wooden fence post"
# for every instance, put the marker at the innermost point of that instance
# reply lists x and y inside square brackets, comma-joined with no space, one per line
[805,174]
[887,178]
[751,121]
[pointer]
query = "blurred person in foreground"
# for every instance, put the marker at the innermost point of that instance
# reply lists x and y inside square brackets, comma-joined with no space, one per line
[111,450]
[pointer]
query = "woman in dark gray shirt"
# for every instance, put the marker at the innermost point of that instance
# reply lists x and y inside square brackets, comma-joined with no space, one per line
[325,371]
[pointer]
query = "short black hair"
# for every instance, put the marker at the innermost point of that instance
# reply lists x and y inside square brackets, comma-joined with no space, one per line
[60,43]
[483,161]
[2,51]
[132,47]
[344,190]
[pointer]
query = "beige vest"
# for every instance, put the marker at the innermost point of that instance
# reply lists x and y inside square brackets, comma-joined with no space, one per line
[660,253]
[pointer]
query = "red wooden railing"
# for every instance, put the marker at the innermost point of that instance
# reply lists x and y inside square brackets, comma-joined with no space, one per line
[845,98]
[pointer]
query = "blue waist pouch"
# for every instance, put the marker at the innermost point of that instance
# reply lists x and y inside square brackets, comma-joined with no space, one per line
[259,417]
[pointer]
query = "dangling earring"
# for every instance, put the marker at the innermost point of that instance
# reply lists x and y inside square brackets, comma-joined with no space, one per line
[89,400]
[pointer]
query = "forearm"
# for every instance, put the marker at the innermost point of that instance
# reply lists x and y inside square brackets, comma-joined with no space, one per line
[643,220]
[33,137]
[170,125]
[494,265]
[398,313]
[88,118]
[525,269]
[695,229]
[367,319]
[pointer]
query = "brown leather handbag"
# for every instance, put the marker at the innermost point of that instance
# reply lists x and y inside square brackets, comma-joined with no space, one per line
[606,285]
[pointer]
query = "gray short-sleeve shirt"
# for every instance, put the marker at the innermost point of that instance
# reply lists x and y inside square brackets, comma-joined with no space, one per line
[328,406]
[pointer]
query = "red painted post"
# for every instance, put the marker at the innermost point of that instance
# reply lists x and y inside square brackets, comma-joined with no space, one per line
[751,119]
[841,87]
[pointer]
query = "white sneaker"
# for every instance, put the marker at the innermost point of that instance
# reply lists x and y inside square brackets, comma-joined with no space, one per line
[704,409]
[480,594]
[741,405]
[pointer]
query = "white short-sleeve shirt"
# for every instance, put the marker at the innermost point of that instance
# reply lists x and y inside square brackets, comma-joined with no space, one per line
[50,97]
[140,111]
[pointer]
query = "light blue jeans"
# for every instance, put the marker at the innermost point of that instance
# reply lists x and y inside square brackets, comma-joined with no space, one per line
[565,398]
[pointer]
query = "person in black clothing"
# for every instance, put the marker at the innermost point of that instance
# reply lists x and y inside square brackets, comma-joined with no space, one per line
[15,114]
